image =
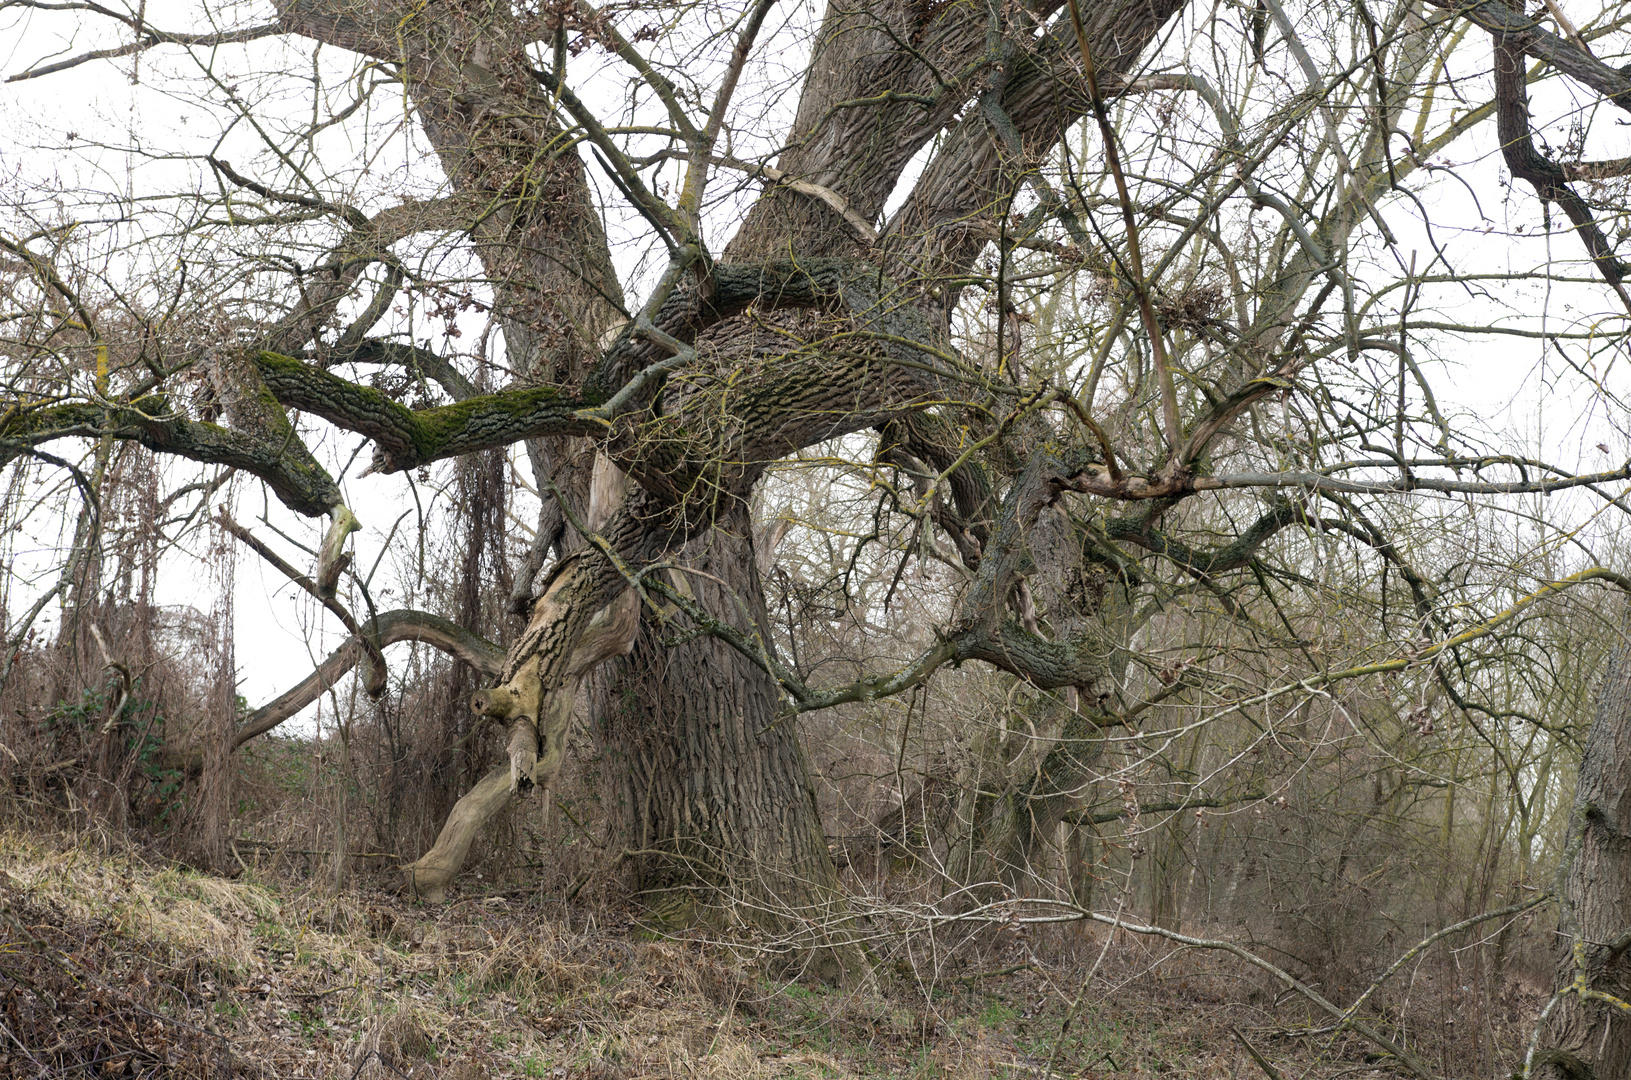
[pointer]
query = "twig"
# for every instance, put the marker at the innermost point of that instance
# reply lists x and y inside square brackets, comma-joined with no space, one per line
[1291,982]
[1076,1005]
[264,846]
[971,979]
[1135,260]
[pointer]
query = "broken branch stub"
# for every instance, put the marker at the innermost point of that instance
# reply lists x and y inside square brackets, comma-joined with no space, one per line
[495,701]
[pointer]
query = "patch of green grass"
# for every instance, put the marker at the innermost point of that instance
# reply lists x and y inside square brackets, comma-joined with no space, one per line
[272,932]
[312,1025]
[925,1067]
[996,1015]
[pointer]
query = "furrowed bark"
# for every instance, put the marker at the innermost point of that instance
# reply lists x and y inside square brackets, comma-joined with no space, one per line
[944,223]
[884,78]
[1587,1034]
[708,783]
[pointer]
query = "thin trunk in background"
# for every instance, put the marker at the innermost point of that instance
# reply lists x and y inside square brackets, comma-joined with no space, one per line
[221,713]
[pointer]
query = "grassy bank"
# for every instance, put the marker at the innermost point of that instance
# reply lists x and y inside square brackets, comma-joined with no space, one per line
[115,966]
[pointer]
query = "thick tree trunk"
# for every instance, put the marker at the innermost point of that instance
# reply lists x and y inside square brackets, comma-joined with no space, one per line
[706,780]
[1589,1032]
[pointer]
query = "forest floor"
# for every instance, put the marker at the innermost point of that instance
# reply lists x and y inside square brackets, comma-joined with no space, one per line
[113,965]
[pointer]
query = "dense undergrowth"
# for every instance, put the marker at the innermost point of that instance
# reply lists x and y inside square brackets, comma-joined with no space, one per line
[116,965]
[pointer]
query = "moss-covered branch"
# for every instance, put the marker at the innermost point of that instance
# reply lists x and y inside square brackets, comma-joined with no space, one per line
[406,438]
[280,459]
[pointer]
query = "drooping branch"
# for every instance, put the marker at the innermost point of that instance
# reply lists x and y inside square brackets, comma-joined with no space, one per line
[403,624]
[281,460]
[538,682]
[344,523]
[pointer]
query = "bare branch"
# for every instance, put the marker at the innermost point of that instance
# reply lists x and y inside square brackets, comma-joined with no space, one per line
[375,682]
[386,629]
[150,38]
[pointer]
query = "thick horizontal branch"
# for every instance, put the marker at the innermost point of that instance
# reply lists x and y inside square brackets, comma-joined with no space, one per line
[1082,659]
[286,466]
[630,372]
[728,290]
[1596,170]
[1046,664]
[406,438]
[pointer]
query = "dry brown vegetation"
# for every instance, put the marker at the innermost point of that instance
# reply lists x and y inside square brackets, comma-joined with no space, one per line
[113,963]
[1326,849]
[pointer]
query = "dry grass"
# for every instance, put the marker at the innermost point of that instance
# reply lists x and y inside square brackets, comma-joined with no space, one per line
[157,971]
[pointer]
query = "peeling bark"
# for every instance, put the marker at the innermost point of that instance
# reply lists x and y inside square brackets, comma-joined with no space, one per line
[540,720]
